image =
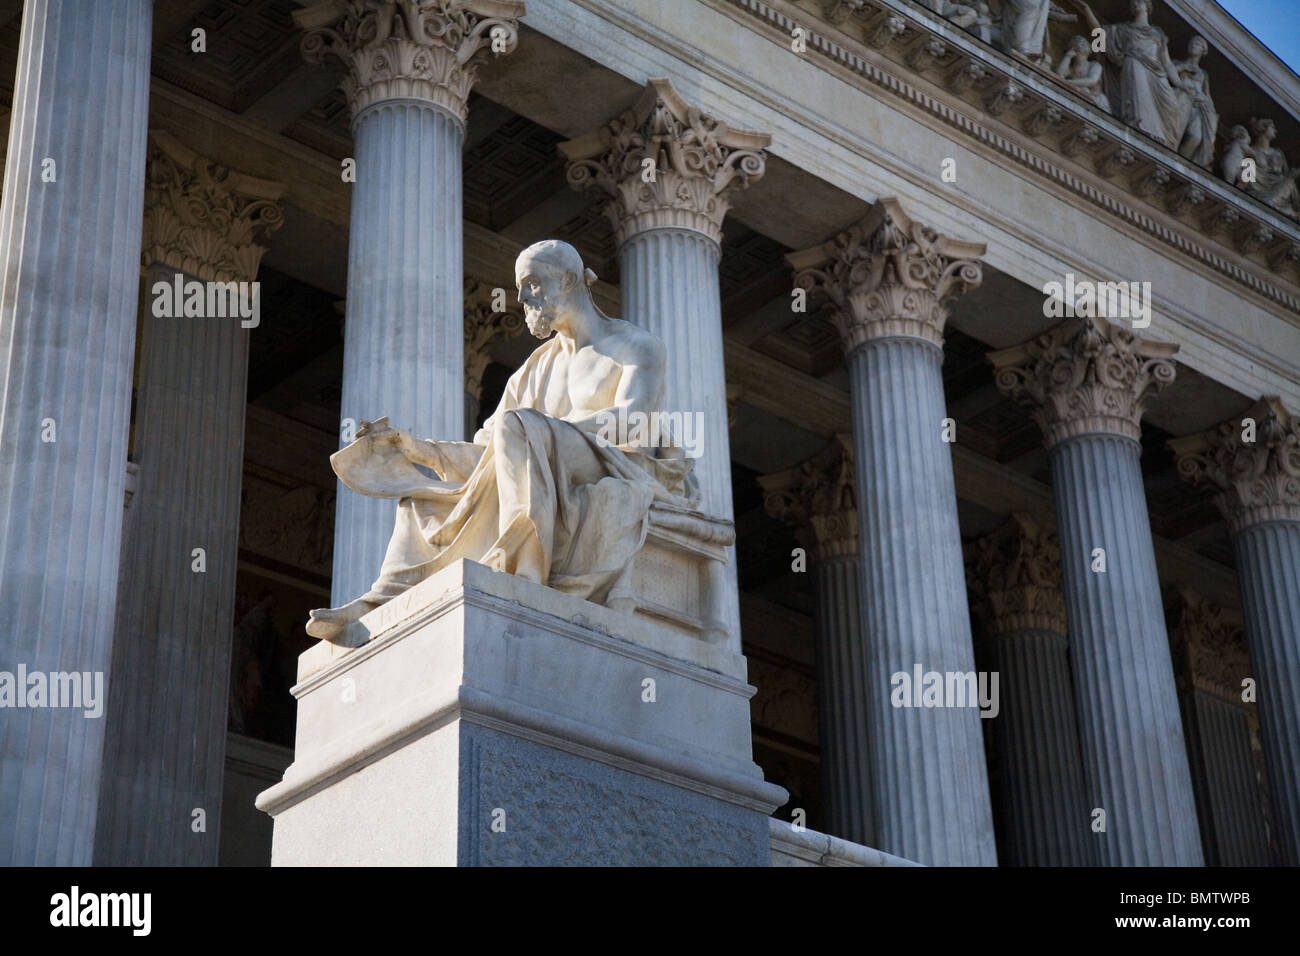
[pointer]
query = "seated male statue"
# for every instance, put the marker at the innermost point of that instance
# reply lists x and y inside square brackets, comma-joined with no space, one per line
[542,492]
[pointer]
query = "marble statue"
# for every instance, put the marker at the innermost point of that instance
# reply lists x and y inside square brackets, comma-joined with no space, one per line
[542,491]
[962,14]
[1198,121]
[1141,81]
[1274,178]
[1083,74]
[1024,27]
[1238,149]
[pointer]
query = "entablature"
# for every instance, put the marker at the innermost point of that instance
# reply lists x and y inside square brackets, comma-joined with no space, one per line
[908,52]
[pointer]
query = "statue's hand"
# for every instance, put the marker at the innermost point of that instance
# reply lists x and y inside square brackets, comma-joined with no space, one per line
[372,428]
[380,431]
[399,438]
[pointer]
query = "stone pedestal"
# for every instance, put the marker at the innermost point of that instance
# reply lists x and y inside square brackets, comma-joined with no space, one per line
[485,720]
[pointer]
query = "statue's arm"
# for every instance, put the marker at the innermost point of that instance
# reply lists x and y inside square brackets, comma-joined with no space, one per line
[1176,79]
[1061,16]
[1085,11]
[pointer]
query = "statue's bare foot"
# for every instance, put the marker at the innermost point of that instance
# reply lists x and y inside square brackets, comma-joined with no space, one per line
[328,623]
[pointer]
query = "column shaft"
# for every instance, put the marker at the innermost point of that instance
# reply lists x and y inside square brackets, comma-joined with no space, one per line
[1134,759]
[403,347]
[69,269]
[1046,821]
[1268,568]
[1223,773]
[931,784]
[165,746]
[669,285]
[668,171]
[842,701]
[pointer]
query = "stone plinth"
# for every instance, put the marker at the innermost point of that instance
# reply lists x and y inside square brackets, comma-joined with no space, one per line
[791,847]
[484,720]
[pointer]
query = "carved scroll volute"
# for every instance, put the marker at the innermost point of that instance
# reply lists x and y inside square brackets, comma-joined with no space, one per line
[408,49]
[665,164]
[888,275]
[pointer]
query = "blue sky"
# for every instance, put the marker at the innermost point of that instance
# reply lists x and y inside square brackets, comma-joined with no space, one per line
[1275,22]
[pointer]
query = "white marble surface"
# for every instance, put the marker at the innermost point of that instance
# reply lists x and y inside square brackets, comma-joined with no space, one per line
[518,693]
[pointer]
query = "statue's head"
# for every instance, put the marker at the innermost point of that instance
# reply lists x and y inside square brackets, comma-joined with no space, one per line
[1139,7]
[1263,128]
[1080,44]
[1239,134]
[1197,46]
[551,281]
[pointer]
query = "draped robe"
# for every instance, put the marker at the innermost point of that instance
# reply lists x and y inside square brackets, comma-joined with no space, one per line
[533,494]
[1137,81]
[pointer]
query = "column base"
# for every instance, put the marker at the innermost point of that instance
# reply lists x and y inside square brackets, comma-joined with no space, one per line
[490,721]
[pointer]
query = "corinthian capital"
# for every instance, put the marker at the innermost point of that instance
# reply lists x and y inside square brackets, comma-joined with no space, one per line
[1085,376]
[483,326]
[1253,460]
[203,219]
[664,163]
[888,276]
[1209,646]
[408,49]
[819,500]
[1015,574]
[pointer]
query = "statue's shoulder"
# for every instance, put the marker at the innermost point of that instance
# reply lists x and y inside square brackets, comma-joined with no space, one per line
[635,345]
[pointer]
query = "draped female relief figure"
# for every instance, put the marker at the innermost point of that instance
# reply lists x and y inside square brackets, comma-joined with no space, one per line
[541,491]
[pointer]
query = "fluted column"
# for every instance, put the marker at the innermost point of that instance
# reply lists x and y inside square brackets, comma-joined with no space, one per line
[887,279]
[1087,383]
[1254,461]
[669,171]
[164,751]
[484,325]
[1016,574]
[410,69]
[1210,662]
[818,499]
[69,241]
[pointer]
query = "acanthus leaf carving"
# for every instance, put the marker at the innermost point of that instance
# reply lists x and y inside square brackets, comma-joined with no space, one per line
[818,498]
[664,163]
[483,326]
[1085,376]
[202,218]
[1257,480]
[1015,575]
[408,49]
[889,275]
[1210,643]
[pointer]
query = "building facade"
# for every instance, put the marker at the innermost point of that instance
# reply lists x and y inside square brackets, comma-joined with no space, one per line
[989,315]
